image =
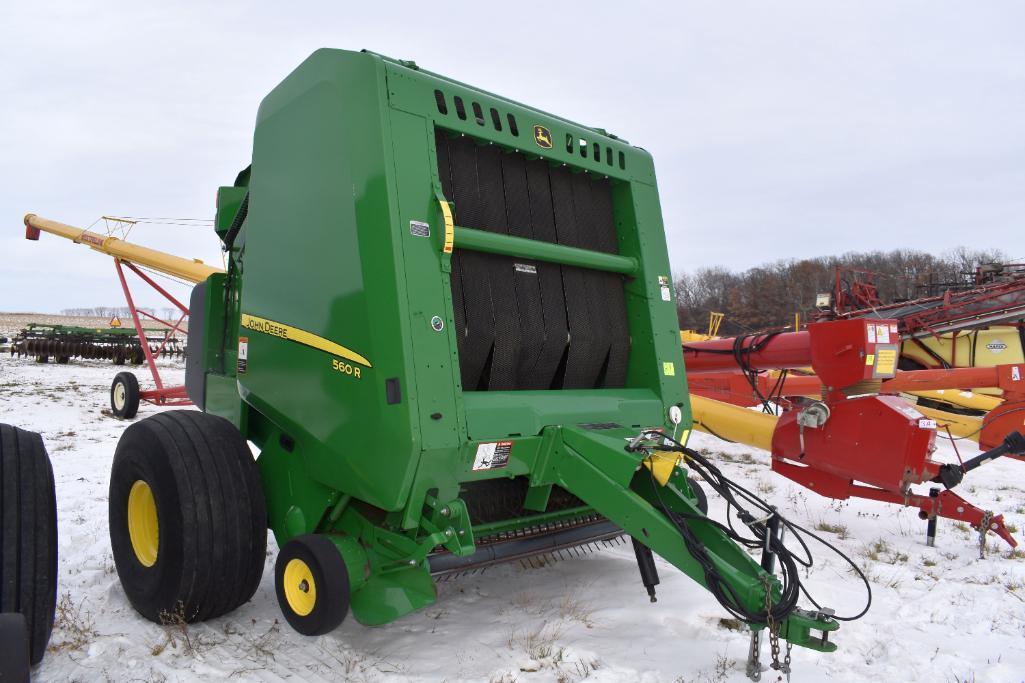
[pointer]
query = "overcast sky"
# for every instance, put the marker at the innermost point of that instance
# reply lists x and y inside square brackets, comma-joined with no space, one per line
[779,129]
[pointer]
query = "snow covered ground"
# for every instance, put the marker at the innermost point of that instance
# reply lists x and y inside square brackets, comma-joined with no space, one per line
[939,614]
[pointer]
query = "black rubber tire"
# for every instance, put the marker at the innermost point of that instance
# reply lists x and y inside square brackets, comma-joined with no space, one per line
[210,513]
[330,577]
[42,359]
[699,491]
[63,360]
[14,648]
[28,534]
[126,407]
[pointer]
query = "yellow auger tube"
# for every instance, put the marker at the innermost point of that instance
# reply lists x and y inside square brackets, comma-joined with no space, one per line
[960,426]
[965,399]
[192,270]
[732,422]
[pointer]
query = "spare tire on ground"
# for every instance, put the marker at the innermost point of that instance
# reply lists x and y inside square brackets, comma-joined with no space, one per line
[28,535]
[14,651]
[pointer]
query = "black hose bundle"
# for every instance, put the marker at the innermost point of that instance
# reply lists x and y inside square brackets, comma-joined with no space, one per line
[789,561]
[229,280]
[742,356]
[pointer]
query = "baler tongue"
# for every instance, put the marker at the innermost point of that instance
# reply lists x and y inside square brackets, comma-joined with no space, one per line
[617,472]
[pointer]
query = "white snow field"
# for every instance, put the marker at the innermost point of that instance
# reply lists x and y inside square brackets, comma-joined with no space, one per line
[939,614]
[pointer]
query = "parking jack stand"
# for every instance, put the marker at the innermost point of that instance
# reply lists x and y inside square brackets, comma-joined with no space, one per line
[646,564]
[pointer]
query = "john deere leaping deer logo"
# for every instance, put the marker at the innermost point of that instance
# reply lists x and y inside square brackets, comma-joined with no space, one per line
[543,137]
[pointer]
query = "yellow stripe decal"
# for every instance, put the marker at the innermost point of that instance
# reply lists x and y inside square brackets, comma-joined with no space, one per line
[276,329]
[446,212]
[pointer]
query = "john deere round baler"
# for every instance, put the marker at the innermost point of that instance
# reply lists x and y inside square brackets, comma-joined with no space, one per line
[448,328]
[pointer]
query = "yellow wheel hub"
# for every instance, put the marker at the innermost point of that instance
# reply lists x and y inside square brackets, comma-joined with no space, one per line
[143,526]
[300,589]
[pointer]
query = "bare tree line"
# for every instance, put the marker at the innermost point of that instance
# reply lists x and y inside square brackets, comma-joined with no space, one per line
[119,311]
[769,295]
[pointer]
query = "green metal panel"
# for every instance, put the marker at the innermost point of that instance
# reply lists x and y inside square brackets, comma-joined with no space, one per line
[339,290]
[508,245]
[321,234]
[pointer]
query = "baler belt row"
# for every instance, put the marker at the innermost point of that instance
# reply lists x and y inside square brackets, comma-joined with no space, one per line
[529,324]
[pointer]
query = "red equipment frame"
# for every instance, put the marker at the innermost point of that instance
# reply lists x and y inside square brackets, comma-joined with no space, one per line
[736,388]
[163,395]
[854,442]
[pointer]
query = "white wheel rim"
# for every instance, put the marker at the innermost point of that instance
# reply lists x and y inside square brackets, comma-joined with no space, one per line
[119,396]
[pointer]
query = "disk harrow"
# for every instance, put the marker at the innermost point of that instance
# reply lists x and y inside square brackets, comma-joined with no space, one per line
[62,343]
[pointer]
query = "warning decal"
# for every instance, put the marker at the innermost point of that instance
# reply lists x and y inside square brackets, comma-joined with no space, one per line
[491,456]
[886,362]
[243,355]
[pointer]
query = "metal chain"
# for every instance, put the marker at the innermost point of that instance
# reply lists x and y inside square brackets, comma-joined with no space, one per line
[773,627]
[987,517]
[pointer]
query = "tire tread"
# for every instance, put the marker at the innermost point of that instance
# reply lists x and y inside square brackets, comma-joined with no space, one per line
[224,522]
[28,534]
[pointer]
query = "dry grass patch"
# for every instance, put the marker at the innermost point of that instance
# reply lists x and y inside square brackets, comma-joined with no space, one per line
[74,625]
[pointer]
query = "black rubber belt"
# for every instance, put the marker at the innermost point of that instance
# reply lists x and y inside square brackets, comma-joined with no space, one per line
[508,333]
[526,278]
[475,349]
[525,324]
[587,349]
[549,275]
[613,292]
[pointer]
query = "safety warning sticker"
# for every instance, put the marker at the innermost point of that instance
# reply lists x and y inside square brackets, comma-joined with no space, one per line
[886,361]
[243,355]
[491,456]
[663,285]
[419,229]
[525,268]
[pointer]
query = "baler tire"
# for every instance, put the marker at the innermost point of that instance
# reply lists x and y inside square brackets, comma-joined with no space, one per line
[323,603]
[14,648]
[28,535]
[124,395]
[188,521]
[42,359]
[63,360]
[699,492]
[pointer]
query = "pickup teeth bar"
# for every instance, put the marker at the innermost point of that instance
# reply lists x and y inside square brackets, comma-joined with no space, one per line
[533,546]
